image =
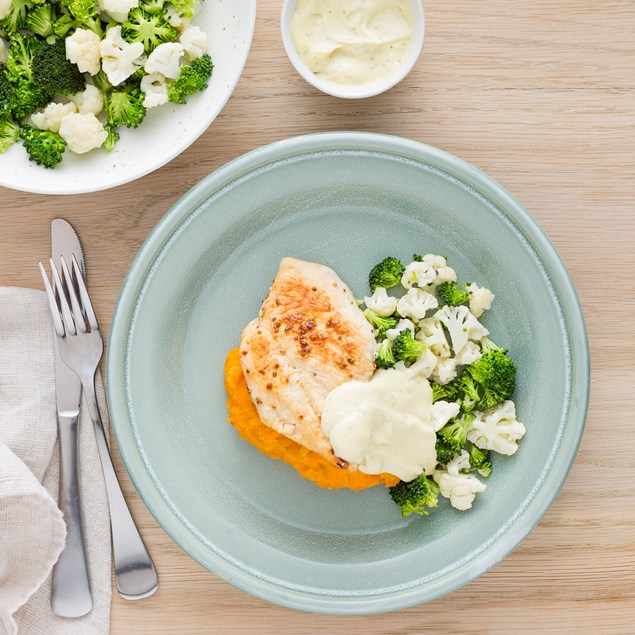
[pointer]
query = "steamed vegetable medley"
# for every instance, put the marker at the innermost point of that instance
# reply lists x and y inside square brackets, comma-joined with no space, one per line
[435,325]
[73,72]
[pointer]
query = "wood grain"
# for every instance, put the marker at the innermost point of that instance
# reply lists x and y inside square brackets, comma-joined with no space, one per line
[541,95]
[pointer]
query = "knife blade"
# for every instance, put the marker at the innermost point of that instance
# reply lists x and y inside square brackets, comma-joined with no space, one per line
[71,594]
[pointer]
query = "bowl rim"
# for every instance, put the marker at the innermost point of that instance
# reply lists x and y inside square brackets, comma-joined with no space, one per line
[520,526]
[345,91]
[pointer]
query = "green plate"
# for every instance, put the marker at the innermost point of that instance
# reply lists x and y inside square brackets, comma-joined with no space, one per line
[346,200]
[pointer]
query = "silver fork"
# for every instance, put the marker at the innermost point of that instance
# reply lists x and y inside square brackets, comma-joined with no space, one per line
[81,347]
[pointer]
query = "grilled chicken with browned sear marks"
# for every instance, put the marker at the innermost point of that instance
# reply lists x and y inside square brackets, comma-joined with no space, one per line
[309,338]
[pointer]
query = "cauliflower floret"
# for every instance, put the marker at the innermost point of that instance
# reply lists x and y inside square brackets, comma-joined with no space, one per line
[468,354]
[425,364]
[480,299]
[155,89]
[459,462]
[5,8]
[4,51]
[402,325]
[497,429]
[194,41]
[434,261]
[442,412]
[174,17]
[444,274]
[119,58]
[165,59]
[420,274]
[51,117]
[461,325]
[380,302]
[90,100]
[428,273]
[461,489]
[433,336]
[82,132]
[416,303]
[445,370]
[117,9]
[82,48]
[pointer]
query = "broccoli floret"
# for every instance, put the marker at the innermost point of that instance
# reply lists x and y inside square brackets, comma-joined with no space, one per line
[386,274]
[21,56]
[65,22]
[16,18]
[40,19]
[186,8]
[383,355]
[479,460]
[125,107]
[192,79]
[111,139]
[152,6]
[447,392]
[416,496]
[406,348]
[6,91]
[444,452]
[102,82]
[380,322]
[78,13]
[487,346]
[84,11]
[44,147]
[149,29]
[27,98]
[9,132]
[465,384]
[454,433]
[488,381]
[134,80]
[496,373]
[450,294]
[53,72]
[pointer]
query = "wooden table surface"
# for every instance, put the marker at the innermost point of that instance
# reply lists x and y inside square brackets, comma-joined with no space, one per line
[541,96]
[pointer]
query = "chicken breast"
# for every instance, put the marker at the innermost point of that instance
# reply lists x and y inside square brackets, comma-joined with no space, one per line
[309,338]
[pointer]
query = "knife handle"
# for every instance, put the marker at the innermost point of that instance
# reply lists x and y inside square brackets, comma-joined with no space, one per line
[71,596]
[135,575]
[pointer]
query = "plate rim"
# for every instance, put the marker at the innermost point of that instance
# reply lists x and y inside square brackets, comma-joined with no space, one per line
[567,300]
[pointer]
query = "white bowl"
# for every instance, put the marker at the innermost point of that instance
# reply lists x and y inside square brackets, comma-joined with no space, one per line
[348,91]
[166,131]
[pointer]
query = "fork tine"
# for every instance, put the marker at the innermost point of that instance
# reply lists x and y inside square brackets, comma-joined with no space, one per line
[67,316]
[55,312]
[77,309]
[83,292]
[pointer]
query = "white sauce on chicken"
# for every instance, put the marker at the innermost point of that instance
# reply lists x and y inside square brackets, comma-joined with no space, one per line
[385,424]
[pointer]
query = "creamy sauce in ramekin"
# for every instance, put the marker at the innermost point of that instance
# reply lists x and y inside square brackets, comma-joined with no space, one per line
[353,42]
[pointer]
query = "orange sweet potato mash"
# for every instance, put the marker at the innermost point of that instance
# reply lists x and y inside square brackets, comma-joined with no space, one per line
[244,417]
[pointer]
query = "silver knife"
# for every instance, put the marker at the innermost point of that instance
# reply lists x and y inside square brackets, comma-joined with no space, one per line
[71,594]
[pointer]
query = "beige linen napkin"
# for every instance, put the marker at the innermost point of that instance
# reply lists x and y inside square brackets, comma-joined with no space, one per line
[32,530]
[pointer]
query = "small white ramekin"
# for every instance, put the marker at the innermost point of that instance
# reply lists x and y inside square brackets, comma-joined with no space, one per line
[352,91]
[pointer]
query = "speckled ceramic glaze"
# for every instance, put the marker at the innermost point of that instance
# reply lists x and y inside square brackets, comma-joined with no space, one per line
[165,132]
[346,200]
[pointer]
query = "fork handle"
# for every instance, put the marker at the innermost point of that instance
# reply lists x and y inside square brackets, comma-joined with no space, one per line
[70,596]
[135,575]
